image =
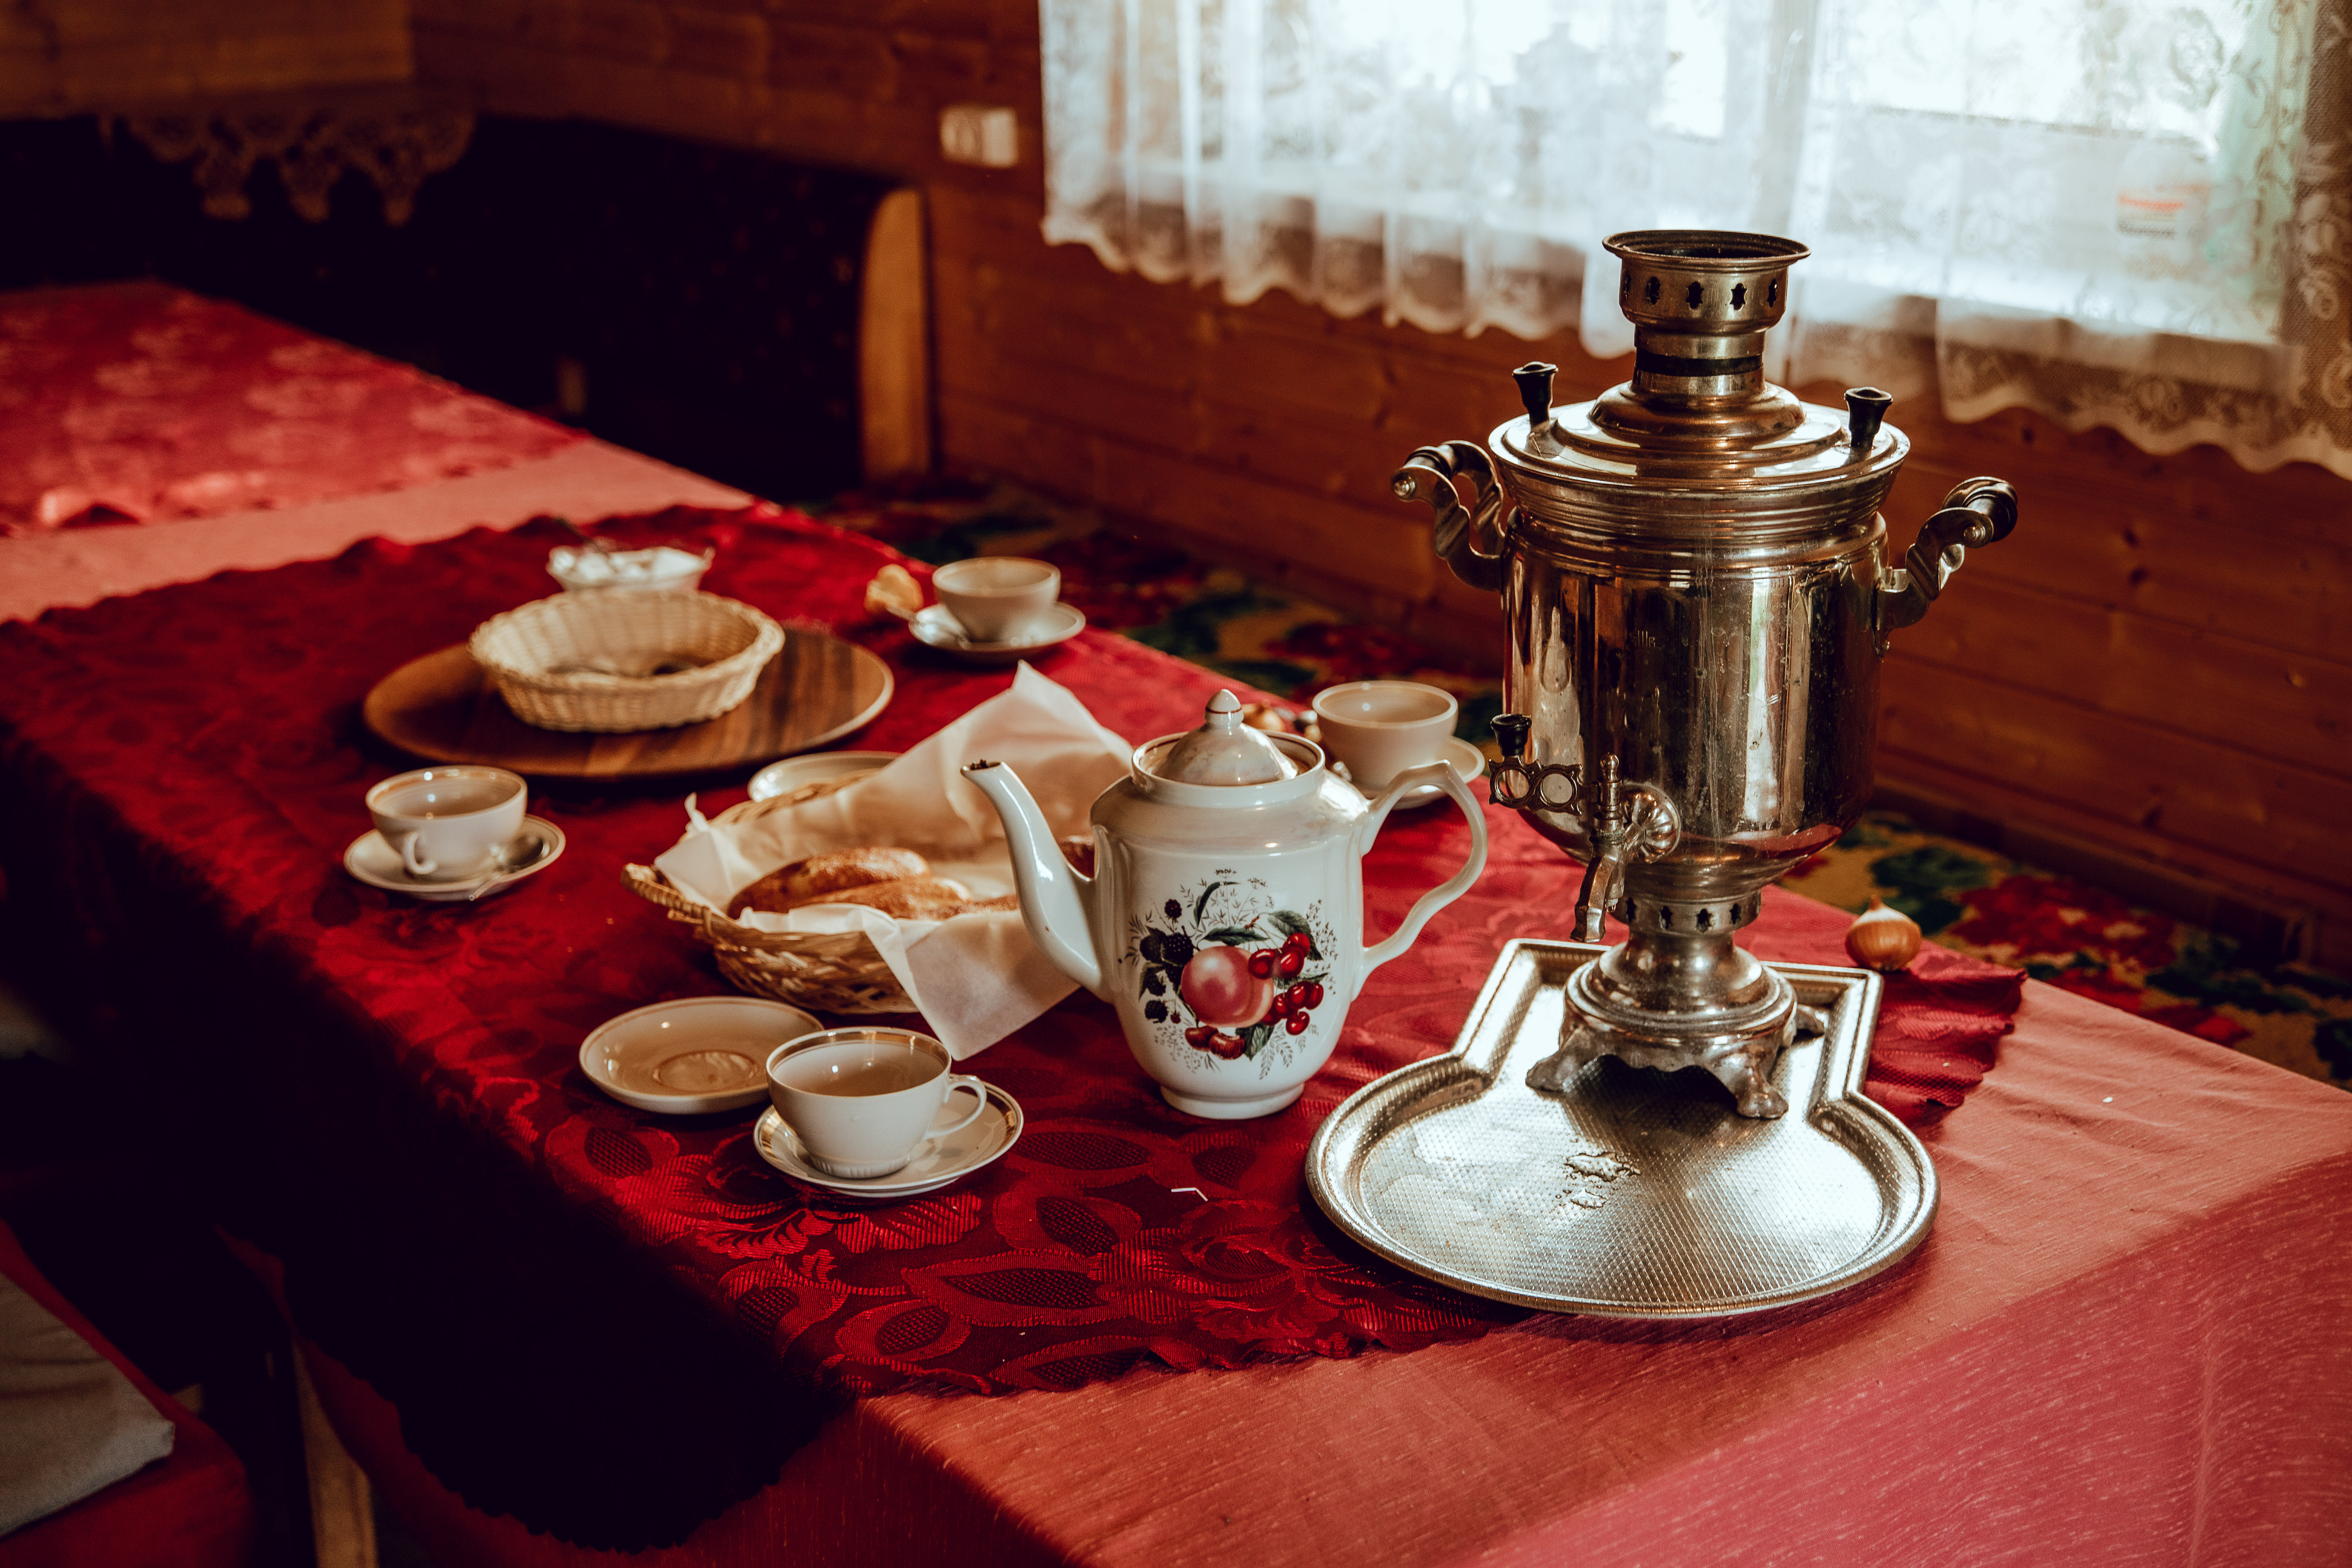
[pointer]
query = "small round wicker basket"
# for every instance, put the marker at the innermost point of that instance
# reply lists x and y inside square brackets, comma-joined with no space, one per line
[839,972]
[587,660]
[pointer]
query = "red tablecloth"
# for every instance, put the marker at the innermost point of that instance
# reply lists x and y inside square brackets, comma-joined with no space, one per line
[388,1091]
[1120,1230]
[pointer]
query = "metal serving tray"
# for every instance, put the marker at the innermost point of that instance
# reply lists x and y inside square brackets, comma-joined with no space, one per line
[1636,1193]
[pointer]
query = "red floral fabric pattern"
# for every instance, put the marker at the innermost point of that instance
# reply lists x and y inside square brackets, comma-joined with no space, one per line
[141,402]
[460,1210]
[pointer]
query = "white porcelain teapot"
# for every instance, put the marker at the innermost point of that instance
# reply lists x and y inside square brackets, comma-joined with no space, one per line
[1226,914]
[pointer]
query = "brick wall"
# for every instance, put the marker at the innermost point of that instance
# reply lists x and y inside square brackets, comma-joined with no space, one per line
[2158,663]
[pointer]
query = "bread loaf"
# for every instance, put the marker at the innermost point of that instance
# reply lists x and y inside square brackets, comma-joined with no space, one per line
[896,881]
[858,867]
[907,898]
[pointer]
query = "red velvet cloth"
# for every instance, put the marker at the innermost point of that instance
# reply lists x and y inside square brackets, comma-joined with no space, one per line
[412,1135]
[189,1509]
[138,402]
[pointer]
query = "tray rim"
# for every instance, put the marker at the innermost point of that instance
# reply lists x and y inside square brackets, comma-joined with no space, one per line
[1842,1099]
[370,717]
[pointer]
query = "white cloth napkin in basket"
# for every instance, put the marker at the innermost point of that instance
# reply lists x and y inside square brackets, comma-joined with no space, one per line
[975,978]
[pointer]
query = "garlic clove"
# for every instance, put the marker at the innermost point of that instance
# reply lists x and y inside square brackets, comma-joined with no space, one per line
[1882,938]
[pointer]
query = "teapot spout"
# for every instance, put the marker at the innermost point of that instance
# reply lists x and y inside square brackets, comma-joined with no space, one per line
[1053,897]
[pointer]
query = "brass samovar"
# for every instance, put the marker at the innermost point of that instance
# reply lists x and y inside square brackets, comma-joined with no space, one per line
[1697,597]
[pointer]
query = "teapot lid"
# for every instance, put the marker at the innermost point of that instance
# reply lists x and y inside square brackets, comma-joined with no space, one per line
[1223,750]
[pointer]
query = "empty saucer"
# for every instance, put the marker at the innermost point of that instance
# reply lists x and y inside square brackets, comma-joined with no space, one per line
[377,863]
[691,1055]
[833,768]
[934,627]
[1468,762]
[937,1161]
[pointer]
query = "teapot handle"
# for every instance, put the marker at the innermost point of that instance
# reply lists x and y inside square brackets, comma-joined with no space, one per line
[1442,775]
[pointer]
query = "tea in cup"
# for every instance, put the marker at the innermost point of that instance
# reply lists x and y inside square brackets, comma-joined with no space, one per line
[998,598]
[862,1100]
[1379,728]
[448,822]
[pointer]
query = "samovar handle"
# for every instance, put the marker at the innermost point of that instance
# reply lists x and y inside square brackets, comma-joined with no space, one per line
[1975,512]
[1465,537]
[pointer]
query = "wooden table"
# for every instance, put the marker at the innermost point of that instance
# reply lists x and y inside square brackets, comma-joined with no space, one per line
[2123,1342]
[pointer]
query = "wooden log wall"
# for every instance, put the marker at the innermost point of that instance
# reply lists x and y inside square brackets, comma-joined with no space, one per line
[66,57]
[2156,671]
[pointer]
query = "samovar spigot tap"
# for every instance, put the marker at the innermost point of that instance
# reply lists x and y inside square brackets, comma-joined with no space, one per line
[1621,822]
[1605,825]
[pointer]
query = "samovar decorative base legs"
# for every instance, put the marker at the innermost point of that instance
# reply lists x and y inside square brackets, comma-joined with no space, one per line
[1669,999]
[1741,1064]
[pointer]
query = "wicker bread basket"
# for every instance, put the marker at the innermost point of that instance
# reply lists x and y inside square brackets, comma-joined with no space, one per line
[582,660]
[837,972]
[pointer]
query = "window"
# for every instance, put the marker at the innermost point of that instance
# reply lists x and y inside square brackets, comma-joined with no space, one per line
[2125,212]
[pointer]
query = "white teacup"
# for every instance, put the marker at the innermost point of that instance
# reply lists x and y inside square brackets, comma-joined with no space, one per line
[1379,728]
[998,598]
[861,1100]
[448,823]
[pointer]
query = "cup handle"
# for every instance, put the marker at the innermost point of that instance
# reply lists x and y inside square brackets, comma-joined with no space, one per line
[412,859]
[1442,775]
[957,1080]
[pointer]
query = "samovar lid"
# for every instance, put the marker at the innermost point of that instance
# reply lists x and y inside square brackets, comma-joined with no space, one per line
[1698,412]
[1223,750]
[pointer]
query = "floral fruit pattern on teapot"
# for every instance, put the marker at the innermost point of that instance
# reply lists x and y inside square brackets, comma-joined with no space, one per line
[1228,972]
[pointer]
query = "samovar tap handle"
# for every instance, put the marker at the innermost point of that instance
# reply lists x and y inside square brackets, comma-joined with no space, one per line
[1465,537]
[1976,511]
[1522,785]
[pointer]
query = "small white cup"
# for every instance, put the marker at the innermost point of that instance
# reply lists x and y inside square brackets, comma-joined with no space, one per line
[998,598]
[447,823]
[1379,728]
[861,1100]
[664,569]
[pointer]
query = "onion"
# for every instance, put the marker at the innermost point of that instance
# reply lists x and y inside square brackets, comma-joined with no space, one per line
[1882,938]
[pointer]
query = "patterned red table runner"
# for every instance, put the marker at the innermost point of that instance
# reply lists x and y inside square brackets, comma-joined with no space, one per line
[392,1103]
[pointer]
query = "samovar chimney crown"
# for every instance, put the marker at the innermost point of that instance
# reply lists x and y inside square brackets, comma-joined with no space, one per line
[1700,301]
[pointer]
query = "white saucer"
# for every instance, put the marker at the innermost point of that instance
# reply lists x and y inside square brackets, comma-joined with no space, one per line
[1468,761]
[691,1055]
[937,1161]
[815,767]
[377,863]
[934,627]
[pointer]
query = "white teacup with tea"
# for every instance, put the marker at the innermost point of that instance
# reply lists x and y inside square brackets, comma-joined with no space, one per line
[448,822]
[862,1100]
[1379,728]
[998,598]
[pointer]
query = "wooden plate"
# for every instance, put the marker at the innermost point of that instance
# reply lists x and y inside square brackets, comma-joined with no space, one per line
[818,689]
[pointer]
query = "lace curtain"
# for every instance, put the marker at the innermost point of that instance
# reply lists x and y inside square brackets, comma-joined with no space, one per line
[2115,212]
